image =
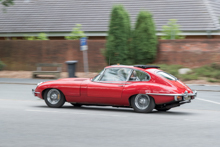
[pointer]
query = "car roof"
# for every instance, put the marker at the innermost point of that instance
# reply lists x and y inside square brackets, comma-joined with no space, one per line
[140,67]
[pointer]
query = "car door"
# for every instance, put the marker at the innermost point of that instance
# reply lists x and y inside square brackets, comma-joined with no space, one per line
[137,83]
[107,89]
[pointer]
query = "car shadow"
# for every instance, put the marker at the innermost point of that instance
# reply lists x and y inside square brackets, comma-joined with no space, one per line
[170,112]
[93,108]
[120,109]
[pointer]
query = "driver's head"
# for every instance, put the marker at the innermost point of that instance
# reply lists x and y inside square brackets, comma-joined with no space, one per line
[134,74]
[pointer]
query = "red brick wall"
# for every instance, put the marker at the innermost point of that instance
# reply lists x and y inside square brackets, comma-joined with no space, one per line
[23,55]
[190,52]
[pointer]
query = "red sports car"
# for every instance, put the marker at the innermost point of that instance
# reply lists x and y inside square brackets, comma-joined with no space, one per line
[142,87]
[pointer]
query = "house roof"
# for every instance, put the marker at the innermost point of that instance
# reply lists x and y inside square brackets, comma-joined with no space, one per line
[62,15]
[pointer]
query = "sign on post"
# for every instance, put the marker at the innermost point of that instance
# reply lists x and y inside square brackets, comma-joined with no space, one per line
[83,44]
[84,48]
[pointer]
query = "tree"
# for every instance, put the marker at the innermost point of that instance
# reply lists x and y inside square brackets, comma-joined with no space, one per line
[144,39]
[7,3]
[76,33]
[2,65]
[171,30]
[117,45]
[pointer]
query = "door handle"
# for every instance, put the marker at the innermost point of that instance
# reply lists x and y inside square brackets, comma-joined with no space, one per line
[120,85]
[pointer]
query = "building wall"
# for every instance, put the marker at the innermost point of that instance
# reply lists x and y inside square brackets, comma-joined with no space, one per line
[23,55]
[189,52]
[104,37]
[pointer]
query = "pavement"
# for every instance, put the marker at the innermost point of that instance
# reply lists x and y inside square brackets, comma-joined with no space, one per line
[198,87]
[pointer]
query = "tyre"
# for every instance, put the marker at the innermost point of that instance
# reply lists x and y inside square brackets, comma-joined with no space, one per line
[54,98]
[76,105]
[142,103]
[162,109]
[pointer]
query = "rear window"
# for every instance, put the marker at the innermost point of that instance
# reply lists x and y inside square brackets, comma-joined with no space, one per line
[166,75]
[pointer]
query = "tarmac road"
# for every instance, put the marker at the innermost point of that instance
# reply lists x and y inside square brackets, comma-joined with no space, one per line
[26,121]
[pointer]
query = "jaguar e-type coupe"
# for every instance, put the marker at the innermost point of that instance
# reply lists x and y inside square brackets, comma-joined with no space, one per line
[142,87]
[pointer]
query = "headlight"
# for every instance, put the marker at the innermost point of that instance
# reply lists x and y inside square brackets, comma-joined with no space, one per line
[39,83]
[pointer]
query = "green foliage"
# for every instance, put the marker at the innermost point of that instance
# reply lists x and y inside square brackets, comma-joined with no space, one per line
[41,36]
[144,39]
[187,77]
[2,65]
[213,80]
[171,30]
[210,71]
[7,3]
[76,33]
[29,38]
[119,33]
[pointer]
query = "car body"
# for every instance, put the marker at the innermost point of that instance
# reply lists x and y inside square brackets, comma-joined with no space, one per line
[142,87]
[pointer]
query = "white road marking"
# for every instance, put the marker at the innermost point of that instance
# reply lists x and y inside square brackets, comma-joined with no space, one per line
[208,101]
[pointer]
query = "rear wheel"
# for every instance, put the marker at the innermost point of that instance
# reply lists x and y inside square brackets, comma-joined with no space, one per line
[54,98]
[142,103]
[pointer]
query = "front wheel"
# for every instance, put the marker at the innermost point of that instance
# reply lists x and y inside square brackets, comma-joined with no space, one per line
[142,103]
[54,98]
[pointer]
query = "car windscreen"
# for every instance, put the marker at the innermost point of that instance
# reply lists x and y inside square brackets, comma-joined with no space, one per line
[116,74]
[96,78]
[166,75]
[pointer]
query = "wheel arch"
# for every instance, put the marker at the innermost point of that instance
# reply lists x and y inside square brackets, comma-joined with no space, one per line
[129,99]
[43,92]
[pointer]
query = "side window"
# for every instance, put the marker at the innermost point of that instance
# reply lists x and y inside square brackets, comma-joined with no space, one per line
[167,76]
[116,74]
[139,76]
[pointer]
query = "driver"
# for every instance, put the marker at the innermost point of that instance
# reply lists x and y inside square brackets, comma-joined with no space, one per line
[134,76]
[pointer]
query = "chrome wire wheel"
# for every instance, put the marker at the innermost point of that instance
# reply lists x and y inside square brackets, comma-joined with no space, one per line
[53,96]
[142,101]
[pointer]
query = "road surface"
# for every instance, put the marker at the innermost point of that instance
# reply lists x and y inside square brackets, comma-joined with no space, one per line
[26,121]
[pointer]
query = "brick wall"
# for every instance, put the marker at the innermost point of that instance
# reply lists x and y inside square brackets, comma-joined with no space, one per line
[23,55]
[190,52]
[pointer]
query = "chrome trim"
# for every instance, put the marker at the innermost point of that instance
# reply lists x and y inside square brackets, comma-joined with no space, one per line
[185,94]
[164,94]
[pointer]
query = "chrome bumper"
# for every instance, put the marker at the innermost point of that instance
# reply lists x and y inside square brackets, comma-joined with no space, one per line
[184,95]
[34,93]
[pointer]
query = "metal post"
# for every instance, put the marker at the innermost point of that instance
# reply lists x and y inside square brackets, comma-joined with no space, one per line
[85,61]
